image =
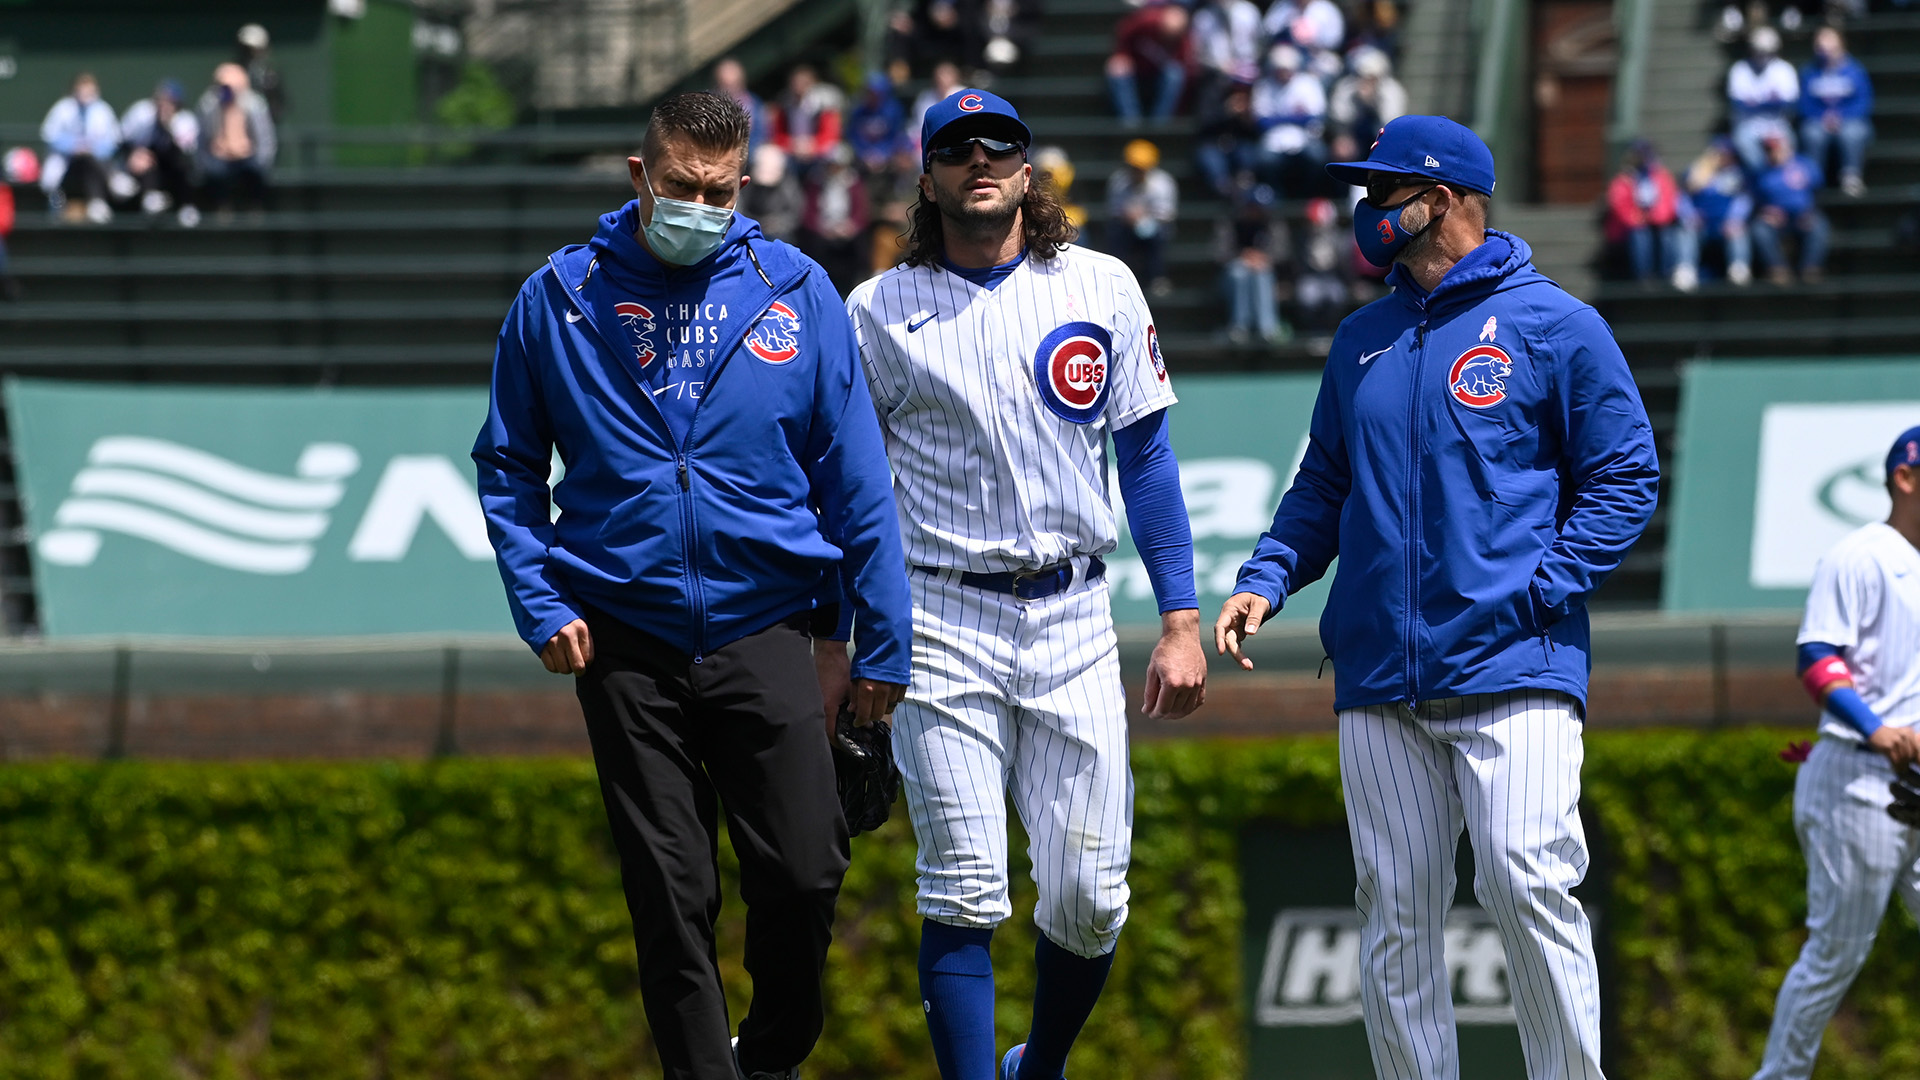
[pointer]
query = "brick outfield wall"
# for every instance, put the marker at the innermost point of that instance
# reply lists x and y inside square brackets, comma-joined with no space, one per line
[358,724]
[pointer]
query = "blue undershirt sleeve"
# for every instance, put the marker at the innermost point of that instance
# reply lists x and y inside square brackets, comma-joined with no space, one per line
[1812,652]
[1844,702]
[1156,511]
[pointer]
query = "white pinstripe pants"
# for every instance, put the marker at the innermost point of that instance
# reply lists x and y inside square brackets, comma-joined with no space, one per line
[1507,767]
[1020,697]
[1856,857]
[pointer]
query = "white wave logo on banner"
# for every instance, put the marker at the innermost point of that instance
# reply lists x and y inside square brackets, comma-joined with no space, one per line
[198,504]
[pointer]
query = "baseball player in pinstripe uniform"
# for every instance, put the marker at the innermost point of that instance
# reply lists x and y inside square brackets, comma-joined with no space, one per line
[1479,461]
[1860,659]
[1000,357]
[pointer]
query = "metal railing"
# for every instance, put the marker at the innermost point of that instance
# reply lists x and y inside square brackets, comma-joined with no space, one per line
[303,147]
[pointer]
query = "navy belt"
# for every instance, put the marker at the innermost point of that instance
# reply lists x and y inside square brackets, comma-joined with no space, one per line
[1027,584]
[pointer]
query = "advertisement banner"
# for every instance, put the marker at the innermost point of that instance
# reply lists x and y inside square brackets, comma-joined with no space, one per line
[204,511]
[1776,462]
[1239,438]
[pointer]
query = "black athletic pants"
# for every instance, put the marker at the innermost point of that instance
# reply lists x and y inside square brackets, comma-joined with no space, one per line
[669,736]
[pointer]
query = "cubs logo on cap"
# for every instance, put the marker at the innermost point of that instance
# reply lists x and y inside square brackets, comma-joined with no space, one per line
[1478,379]
[1153,353]
[776,337]
[970,114]
[1070,369]
[638,319]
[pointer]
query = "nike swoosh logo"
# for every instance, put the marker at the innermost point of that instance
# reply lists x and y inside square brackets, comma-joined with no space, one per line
[1364,357]
[574,316]
[912,326]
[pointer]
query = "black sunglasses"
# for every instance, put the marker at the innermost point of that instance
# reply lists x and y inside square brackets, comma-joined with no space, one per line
[1381,188]
[962,152]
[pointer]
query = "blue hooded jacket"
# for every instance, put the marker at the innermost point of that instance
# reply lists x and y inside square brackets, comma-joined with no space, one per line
[775,500]
[1480,461]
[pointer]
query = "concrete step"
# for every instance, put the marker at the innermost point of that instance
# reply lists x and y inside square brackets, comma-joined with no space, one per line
[1564,241]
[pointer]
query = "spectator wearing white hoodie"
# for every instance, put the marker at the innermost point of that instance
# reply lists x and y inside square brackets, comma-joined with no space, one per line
[82,134]
[1318,28]
[1364,101]
[1290,107]
[1763,93]
[1226,39]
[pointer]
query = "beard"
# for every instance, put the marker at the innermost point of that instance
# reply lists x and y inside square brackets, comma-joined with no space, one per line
[1415,222]
[969,216]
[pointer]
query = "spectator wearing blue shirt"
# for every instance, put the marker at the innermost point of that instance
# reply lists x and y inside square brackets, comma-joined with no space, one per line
[1787,209]
[1717,187]
[1836,101]
[877,131]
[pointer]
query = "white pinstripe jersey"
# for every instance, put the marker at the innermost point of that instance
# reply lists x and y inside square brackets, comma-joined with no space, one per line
[996,404]
[1866,600]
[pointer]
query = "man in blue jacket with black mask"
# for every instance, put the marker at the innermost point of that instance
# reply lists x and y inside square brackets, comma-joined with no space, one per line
[1479,461]
[725,502]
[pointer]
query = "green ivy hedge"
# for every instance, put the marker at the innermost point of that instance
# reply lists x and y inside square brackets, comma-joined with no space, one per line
[464,919]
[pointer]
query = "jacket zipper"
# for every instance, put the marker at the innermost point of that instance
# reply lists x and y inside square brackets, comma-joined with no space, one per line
[689,547]
[1413,508]
[683,459]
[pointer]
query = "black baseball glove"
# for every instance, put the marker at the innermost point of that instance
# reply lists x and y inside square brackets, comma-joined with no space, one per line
[864,772]
[1906,797]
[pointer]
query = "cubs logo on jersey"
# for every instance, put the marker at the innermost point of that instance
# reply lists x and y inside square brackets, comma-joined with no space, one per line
[1153,353]
[1479,377]
[1071,369]
[638,321]
[776,337]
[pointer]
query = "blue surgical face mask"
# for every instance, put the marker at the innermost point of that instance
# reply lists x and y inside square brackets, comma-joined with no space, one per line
[683,233]
[1379,232]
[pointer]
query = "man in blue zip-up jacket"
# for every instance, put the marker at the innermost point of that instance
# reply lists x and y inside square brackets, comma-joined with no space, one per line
[1479,461]
[1836,106]
[725,496]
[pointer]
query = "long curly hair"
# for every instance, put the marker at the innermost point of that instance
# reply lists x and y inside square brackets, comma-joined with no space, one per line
[1042,219]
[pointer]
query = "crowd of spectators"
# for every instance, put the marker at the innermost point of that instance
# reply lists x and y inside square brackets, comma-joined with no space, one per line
[163,154]
[1274,94]
[1753,195]
[827,171]
[834,170]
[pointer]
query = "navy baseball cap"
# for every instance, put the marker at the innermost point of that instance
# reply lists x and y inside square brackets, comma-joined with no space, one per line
[1906,450]
[1430,146]
[970,114]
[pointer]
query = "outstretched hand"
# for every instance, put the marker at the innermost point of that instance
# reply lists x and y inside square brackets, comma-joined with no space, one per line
[1240,619]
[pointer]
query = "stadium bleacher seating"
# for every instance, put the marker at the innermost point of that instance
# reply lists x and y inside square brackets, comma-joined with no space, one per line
[1870,301]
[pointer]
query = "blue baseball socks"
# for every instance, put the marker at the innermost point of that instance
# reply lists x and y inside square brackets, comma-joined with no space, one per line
[1064,993]
[956,990]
